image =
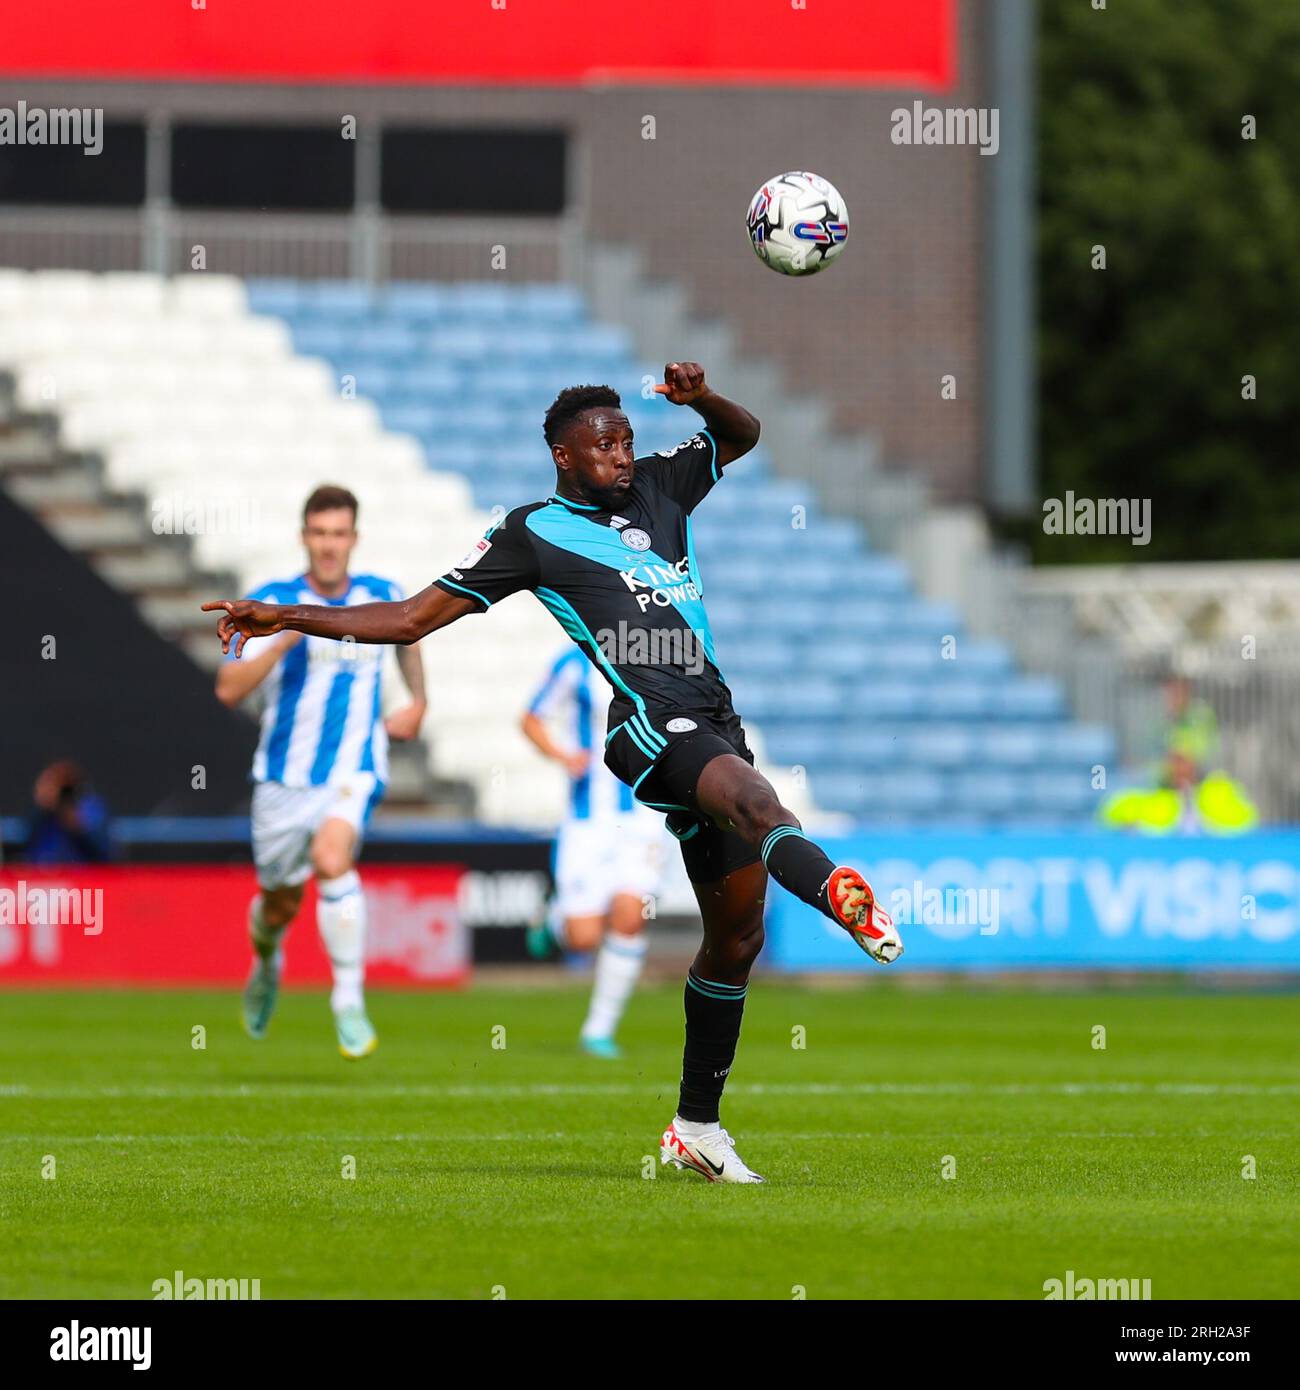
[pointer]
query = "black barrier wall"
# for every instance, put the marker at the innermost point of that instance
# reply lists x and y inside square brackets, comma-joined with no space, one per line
[82,676]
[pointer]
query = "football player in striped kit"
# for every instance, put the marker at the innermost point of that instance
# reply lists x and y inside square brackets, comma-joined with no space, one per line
[609,851]
[320,768]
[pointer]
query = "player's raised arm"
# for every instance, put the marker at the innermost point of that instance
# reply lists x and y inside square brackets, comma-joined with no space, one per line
[734,429]
[401,622]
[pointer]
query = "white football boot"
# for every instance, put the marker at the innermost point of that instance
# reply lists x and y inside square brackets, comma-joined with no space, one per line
[712,1154]
[857,911]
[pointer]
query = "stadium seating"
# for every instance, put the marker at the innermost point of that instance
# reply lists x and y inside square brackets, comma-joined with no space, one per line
[427,400]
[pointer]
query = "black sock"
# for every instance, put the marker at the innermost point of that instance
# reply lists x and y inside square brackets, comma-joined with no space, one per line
[713,1014]
[799,866]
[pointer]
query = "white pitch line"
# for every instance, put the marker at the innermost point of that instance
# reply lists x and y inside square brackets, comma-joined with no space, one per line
[282,1138]
[755,1136]
[420,1091]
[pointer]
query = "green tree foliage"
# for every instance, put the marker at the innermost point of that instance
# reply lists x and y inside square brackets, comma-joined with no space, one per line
[1141,150]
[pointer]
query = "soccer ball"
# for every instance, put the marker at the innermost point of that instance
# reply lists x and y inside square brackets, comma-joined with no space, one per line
[798,223]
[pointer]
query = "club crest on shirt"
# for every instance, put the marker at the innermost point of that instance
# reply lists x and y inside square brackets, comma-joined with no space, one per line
[636,538]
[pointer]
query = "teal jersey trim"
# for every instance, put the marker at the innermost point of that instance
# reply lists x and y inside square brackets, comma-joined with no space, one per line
[640,742]
[583,506]
[713,462]
[693,565]
[686,835]
[571,621]
[451,584]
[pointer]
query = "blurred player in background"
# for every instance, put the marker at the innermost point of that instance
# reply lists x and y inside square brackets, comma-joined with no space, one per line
[320,768]
[608,855]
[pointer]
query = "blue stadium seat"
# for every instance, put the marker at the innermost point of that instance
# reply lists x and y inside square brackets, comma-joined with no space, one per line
[958,699]
[940,745]
[424,381]
[1084,744]
[339,300]
[560,304]
[987,791]
[278,297]
[886,699]
[1062,793]
[1012,745]
[414,301]
[413,417]
[326,338]
[395,340]
[1029,697]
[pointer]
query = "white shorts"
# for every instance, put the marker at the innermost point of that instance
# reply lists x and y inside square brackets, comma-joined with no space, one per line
[597,860]
[286,819]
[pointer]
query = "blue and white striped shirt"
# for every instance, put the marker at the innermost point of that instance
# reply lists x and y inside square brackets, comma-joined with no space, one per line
[322,721]
[575,689]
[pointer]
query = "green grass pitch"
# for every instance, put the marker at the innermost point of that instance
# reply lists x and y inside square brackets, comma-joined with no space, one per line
[524,1171]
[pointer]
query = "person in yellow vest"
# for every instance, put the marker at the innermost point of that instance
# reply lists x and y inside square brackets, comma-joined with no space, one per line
[1191,796]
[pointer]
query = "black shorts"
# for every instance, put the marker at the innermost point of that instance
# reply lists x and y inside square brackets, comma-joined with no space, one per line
[660,755]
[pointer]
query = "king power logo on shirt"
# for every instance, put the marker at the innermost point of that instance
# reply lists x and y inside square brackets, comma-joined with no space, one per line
[644,582]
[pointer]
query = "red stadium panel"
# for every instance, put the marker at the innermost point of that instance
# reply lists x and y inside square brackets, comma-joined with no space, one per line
[908,43]
[185,924]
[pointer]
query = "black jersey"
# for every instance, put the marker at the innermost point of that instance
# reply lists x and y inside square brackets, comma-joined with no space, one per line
[623,584]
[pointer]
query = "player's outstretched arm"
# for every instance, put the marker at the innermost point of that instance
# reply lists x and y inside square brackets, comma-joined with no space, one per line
[400,622]
[734,429]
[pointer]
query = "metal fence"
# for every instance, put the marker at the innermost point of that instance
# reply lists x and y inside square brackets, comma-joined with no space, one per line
[369,246]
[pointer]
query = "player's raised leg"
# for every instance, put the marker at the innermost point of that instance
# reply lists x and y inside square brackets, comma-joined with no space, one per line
[341,920]
[716,985]
[740,799]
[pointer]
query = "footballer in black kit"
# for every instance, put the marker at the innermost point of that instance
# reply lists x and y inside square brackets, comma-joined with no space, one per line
[621,578]
[611,555]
